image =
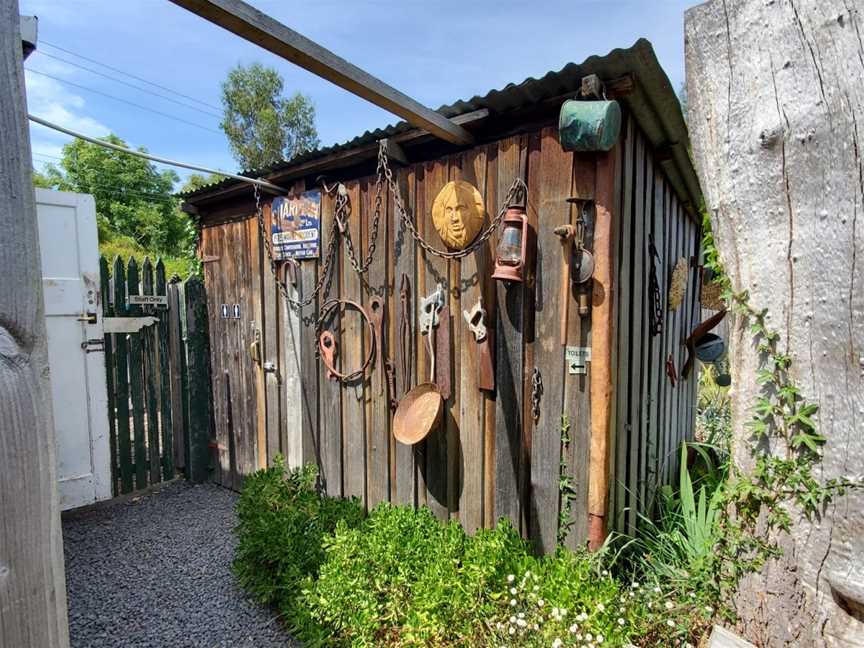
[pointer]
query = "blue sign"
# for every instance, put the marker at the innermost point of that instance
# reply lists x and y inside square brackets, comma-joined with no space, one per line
[296,226]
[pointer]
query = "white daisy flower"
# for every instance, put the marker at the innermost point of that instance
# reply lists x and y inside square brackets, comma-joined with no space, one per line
[621,621]
[512,602]
[513,591]
[573,628]
[510,578]
[669,605]
[601,608]
[557,643]
[670,623]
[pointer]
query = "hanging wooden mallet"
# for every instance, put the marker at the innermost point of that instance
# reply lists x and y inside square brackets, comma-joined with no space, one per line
[566,233]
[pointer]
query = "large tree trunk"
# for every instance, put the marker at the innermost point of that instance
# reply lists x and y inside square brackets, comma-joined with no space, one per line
[776,92]
[32,586]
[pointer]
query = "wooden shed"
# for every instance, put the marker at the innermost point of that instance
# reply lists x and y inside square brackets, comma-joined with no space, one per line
[611,403]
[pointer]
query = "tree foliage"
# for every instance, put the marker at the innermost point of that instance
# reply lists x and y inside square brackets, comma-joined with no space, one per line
[262,125]
[133,198]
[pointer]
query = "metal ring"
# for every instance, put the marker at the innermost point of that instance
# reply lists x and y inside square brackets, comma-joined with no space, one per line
[328,336]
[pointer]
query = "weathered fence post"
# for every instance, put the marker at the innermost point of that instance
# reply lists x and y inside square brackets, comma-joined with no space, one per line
[32,588]
[198,371]
[108,311]
[166,377]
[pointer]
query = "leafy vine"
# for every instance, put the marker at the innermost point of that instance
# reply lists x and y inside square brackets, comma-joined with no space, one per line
[785,446]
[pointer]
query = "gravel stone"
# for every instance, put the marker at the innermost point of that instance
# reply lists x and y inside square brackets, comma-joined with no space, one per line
[155,571]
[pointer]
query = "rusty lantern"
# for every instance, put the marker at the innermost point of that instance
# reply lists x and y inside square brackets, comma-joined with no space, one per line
[510,253]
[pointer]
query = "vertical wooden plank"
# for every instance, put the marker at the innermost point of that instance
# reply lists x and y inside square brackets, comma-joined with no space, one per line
[124,443]
[423,287]
[436,271]
[311,452]
[635,477]
[534,174]
[176,369]
[136,382]
[624,295]
[216,273]
[164,378]
[258,452]
[352,350]
[378,409]
[512,163]
[151,393]
[404,248]
[270,354]
[199,379]
[330,391]
[455,457]
[656,362]
[490,298]
[108,311]
[550,178]
[577,397]
[603,326]
[475,271]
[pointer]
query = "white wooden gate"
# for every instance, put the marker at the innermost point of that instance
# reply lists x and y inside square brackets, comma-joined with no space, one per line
[70,281]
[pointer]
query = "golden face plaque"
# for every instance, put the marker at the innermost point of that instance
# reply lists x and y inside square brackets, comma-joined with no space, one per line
[458,214]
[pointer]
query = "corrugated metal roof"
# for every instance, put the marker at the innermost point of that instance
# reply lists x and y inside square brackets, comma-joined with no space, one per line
[653,103]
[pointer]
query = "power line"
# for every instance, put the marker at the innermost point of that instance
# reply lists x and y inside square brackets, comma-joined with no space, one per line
[146,156]
[130,103]
[131,85]
[137,78]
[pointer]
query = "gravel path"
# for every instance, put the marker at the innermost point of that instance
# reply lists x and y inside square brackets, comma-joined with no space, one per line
[155,571]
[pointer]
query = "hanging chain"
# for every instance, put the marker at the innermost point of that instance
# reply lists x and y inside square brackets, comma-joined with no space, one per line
[536,393]
[516,195]
[359,267]
[325,279]
[654,290]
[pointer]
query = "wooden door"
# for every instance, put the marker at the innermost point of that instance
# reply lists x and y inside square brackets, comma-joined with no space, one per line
[232,276]
[73,318]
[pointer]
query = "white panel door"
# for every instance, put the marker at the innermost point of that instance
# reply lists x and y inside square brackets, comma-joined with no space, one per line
[73,315]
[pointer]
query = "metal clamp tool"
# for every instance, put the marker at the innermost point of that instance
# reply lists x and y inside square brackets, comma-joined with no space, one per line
[476,320]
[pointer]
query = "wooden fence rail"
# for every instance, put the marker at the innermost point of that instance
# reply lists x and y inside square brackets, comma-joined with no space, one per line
[158,377]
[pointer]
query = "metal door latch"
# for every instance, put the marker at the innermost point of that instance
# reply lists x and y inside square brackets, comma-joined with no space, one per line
[89,317]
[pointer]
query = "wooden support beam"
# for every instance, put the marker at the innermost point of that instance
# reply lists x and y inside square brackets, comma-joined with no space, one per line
[259,28]
[32,582]
[603,331]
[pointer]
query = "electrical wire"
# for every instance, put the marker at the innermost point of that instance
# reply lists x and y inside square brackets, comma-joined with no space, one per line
[125,101]
[131,85]
[137,78]
[147,156]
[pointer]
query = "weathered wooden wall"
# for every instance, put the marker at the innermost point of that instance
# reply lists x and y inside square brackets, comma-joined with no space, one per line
[488,459]
[652,417]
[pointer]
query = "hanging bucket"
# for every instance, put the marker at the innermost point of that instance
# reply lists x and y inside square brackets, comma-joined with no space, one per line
[589,125]
[710,347]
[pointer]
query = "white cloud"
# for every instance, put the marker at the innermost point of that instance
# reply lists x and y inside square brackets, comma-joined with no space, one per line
[50,100]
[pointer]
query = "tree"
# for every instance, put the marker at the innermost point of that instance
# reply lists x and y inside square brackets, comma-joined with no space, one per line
[263,126]
[133,198]
[775,106]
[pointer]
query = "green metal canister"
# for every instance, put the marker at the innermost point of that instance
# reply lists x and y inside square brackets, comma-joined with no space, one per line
[589,125]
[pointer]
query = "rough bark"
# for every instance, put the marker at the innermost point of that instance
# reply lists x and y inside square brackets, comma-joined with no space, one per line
[776,92]
[32,585]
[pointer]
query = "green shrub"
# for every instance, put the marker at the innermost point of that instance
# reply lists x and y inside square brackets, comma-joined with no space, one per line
[404,578]
[400,577]
[283,521]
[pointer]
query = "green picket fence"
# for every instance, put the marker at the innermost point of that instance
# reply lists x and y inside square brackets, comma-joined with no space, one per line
[158,375]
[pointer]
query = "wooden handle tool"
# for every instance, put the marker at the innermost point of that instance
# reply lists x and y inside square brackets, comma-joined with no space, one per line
[566,233]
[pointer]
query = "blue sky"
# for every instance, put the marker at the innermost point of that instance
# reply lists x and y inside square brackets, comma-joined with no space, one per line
[436,52]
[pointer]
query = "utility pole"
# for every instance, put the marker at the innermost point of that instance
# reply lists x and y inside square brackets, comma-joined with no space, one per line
[32,581]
